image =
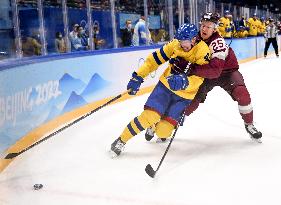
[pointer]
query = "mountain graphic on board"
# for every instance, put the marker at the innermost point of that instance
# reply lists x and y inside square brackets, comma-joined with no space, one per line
[74,101]
[95,84]
[53,113]
[67,84]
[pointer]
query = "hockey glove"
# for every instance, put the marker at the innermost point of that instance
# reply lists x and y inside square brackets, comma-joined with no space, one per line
[134,84]
[179,65]
[178,82]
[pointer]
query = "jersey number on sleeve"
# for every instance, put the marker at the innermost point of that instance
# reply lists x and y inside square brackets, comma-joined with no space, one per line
[218,46]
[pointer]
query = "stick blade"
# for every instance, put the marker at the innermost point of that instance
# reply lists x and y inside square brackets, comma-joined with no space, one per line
[149,170]
[11,155]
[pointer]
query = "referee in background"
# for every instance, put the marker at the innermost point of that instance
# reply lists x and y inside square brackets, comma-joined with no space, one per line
[271,37]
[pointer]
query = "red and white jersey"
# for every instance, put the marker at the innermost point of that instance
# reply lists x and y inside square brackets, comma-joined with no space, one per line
[223,59]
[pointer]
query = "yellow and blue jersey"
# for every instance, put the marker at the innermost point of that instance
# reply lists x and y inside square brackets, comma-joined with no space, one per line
[254,25]
[199,54]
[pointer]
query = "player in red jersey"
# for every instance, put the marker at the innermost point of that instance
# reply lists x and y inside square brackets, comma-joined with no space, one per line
[222,71]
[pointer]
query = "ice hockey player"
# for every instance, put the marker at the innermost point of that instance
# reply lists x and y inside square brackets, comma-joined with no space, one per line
[222,70]
[173,92]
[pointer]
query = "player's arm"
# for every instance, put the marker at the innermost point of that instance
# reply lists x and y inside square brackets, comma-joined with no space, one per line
[219,52]
[152,62]
[157,58]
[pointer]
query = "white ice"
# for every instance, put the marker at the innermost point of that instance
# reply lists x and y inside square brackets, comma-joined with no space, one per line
[212,160]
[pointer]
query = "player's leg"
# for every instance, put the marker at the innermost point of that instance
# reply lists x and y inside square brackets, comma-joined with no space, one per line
[163,130]
[146,119]
[275,46]
[235,86]
[160,97]
[200,97]
[149,133]
[155,107]
[171,118]
[267,43]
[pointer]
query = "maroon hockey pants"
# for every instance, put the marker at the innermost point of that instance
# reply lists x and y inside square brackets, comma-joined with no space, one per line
[233,84]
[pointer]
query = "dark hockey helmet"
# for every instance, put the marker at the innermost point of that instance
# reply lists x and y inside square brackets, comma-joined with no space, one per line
[226,12]
[186,32]
[270,19]
[209,16]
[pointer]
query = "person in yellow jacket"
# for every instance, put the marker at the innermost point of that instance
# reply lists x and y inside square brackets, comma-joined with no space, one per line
[253,24]
[241,32]
[262,27]
[225,28]
[175,89]
[31,45]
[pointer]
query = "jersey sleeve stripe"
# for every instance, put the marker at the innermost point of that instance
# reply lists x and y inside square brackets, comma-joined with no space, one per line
[163,54]
[156,58]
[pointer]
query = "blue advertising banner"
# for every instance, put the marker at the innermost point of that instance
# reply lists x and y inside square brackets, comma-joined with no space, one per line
[243,47]
[31,95]
[246,48]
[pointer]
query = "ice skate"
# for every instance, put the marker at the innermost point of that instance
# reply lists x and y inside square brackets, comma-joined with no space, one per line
[149,134]
[117,147]
[254,133]
[161,140]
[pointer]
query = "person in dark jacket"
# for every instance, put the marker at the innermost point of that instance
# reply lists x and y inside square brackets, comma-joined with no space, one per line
[127,34]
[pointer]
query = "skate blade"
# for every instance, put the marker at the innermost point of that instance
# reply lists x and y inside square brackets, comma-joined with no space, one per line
[256,140]
[159,140]
[112,154]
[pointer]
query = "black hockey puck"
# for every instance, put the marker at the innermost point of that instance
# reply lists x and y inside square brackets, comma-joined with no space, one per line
[37,186]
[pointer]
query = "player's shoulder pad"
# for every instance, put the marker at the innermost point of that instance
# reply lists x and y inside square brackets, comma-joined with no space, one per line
[203,47]
[202,53]
[218,48]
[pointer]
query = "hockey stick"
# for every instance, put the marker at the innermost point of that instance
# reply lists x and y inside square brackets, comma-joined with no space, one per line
[15,154]
[148,169]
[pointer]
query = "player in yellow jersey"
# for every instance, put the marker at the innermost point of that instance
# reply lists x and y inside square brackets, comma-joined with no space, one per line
[262,27]
[253,24]
[175,89]
[225,28]
[241,32]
